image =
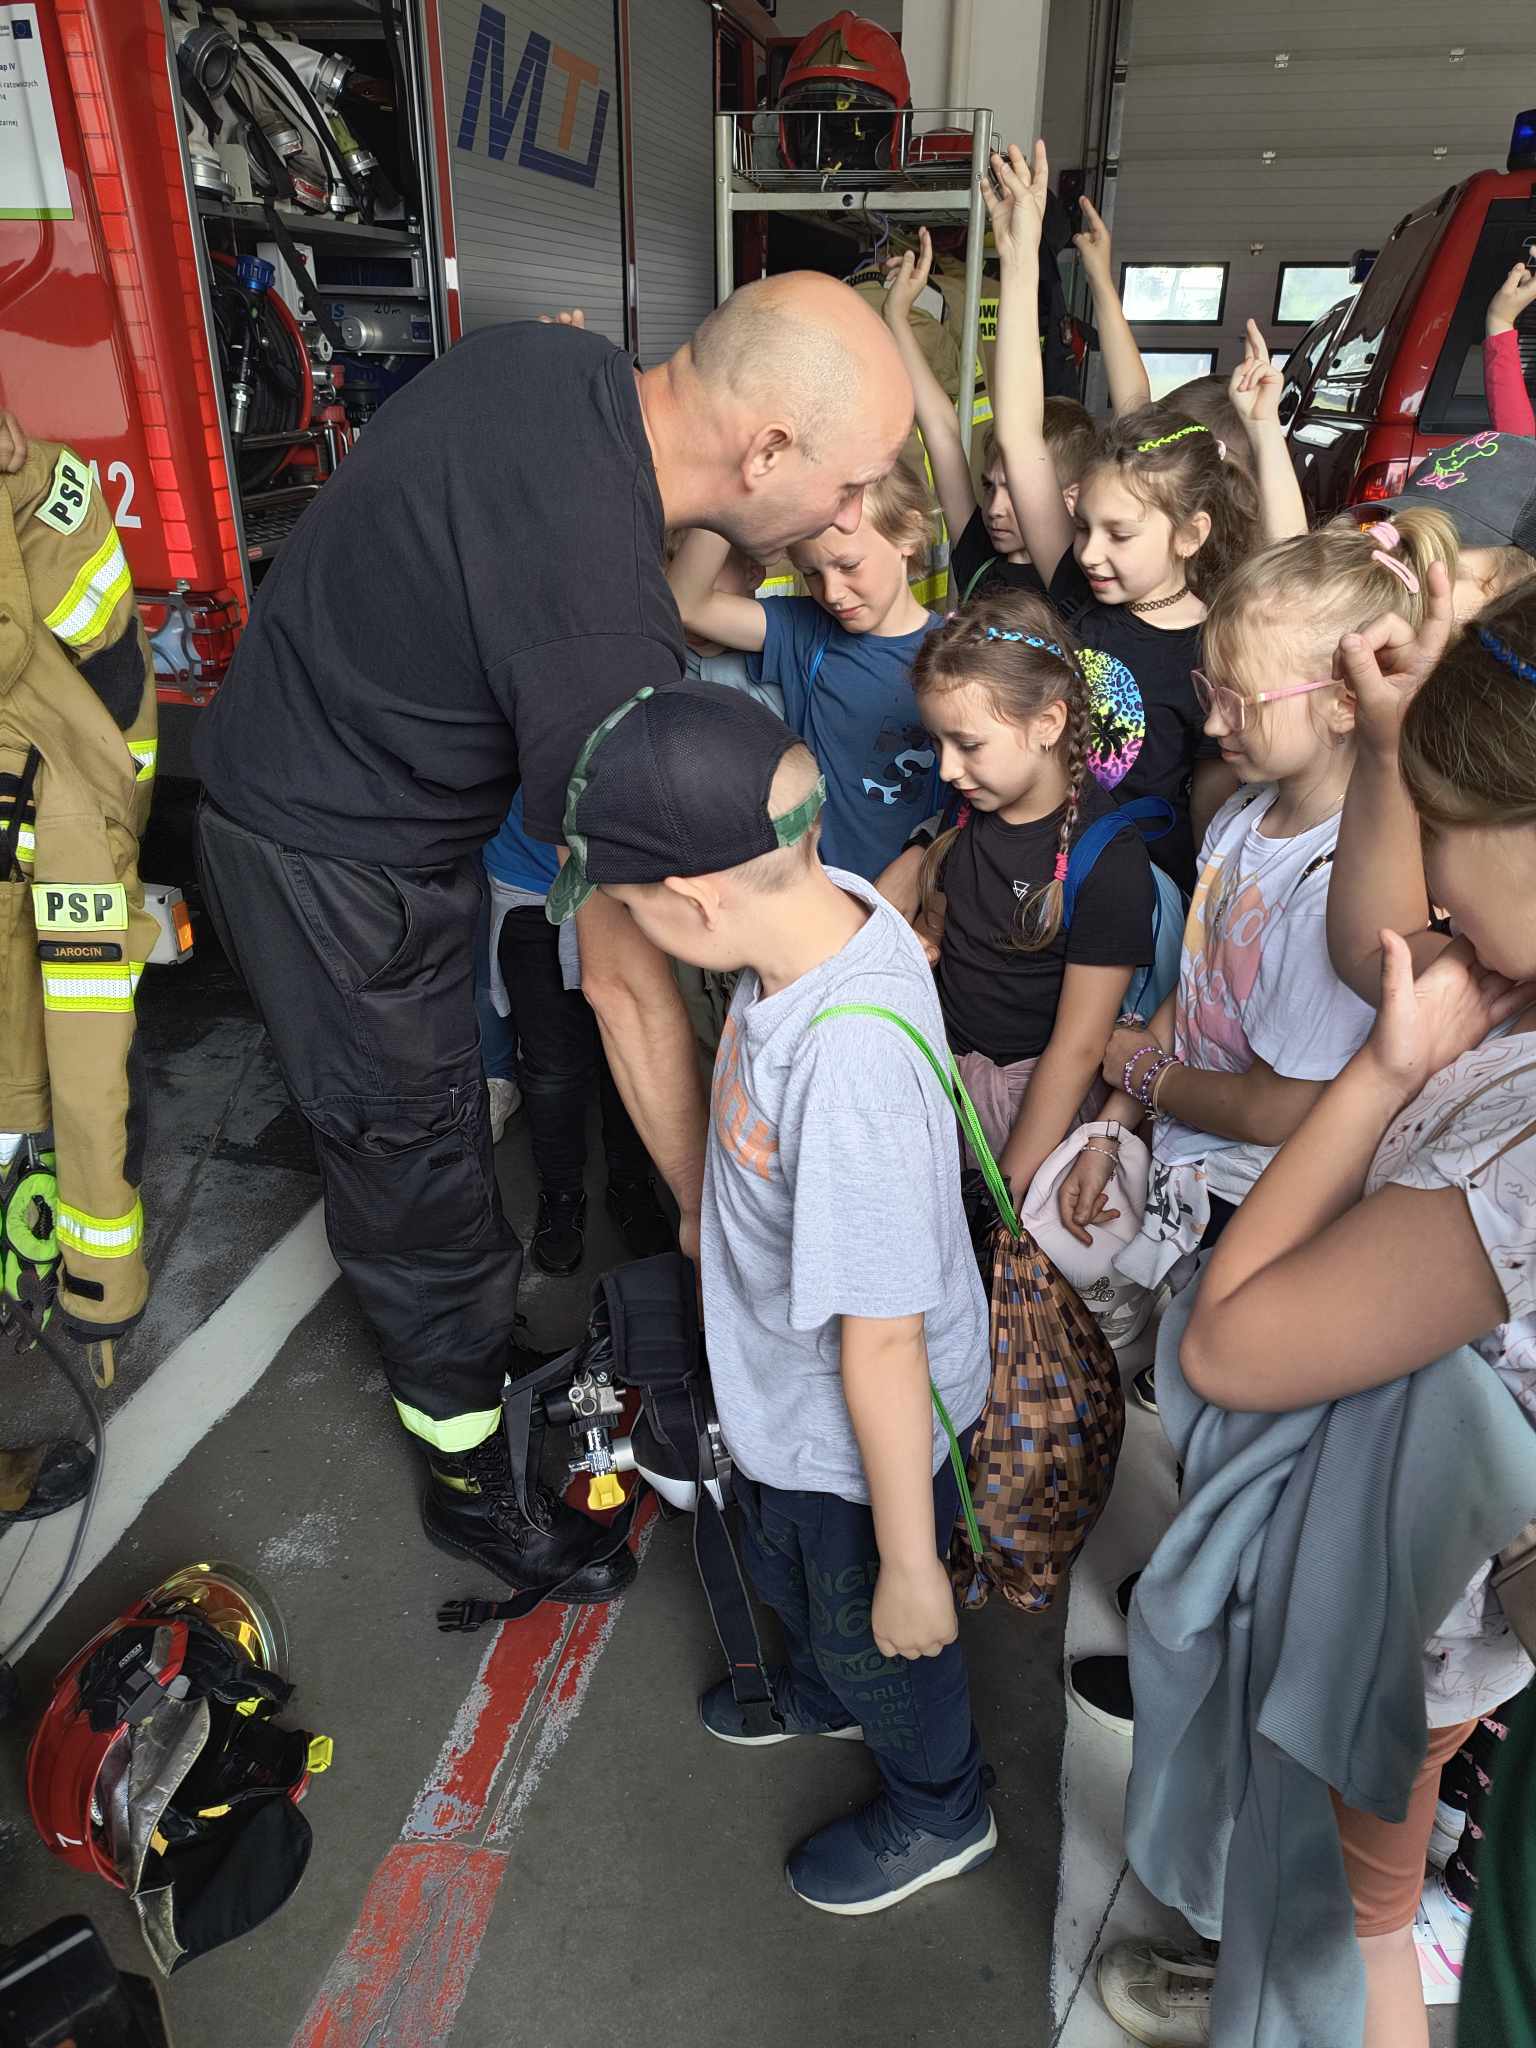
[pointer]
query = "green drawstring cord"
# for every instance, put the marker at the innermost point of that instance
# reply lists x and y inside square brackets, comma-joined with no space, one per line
[970,1123]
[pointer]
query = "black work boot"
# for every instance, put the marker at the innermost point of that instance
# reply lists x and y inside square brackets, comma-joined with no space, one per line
[636,1208]
[470,1508]
[560,1235]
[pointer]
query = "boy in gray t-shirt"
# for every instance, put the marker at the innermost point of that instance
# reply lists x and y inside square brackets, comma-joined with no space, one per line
[837,1270]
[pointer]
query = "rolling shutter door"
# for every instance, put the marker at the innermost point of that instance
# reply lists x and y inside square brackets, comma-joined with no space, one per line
[671,66]
[534,149]
[1354,116]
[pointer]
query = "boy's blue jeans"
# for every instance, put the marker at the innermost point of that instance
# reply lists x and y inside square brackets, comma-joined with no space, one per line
[813,1559]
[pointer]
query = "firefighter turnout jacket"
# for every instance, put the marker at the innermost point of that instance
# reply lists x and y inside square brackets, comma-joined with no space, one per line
[77,760]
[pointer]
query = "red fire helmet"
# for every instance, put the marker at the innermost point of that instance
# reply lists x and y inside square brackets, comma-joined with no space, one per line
[846,77]
[72,1767]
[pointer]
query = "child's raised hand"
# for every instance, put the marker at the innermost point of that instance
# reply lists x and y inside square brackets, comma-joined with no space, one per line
[1092,243]
[906,276]
[1081,1200]
[1256,382]
[1511,299]
[1387,660]
[572,316]
[1015,196]
[1422,1025]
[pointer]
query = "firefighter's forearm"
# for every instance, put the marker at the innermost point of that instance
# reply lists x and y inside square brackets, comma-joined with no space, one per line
[650,1045]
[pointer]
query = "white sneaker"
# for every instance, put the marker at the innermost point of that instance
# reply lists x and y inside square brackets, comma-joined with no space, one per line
[1445,1838]
[506,1099]
[1158,1992]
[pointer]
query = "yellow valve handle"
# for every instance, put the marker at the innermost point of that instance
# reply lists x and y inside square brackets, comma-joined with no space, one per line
[606,1490]
[321,1751]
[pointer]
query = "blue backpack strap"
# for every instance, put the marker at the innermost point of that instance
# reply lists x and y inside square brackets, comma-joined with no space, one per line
[1142,810]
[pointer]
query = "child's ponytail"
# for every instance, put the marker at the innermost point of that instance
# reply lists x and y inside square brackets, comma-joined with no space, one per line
[1040,914]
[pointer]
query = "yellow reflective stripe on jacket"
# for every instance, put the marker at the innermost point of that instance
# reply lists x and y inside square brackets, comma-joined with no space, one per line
[81,614]
[452,1433]
[26,846]
[94,985]
[775,586]
[144,753]
[100,1237]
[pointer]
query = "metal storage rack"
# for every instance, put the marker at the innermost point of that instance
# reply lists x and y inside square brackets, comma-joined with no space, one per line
[751,177]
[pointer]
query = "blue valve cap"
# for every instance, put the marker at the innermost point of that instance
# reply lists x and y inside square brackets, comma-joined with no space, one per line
[255,273]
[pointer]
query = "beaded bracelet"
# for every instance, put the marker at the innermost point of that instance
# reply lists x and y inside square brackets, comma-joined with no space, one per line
[1145,1090]
[1103,1152]
[1129,1078]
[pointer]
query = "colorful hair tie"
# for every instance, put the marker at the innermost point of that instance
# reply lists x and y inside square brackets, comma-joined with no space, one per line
[1060,872]
[1028,639]
[1384,533]
[1525,670]
[1167,440]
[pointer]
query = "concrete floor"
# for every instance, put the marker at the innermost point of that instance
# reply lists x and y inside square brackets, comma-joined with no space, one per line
[526,1838]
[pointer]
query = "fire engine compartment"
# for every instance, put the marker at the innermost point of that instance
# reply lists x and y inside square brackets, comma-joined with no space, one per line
[305,166]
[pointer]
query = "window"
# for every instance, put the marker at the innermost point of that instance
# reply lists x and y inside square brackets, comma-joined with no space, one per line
[1307,290]
[1456,402]
[1167,369]
[1174,294]
[1279,357]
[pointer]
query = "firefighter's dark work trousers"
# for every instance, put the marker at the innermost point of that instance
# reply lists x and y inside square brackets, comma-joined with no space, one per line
[364,978]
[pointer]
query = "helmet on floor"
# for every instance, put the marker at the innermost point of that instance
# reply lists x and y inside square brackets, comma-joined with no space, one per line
[159,1765]
[841,96]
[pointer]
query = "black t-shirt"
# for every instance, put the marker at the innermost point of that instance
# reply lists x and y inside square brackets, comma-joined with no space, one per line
[1141,679]
[475,589]
[997,1000]
[976,568]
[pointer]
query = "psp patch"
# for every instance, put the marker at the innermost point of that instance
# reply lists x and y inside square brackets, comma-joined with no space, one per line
[69,495]
[64,907]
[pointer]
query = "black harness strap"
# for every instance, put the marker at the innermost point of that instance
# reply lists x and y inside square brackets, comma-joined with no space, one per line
[10,831]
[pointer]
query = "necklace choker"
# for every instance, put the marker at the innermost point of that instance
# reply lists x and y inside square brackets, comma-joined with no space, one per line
[1158,604]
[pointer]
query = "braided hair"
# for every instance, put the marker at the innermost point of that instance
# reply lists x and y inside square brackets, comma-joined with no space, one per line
[1015,648]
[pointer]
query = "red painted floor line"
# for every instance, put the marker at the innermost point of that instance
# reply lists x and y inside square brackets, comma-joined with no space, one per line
[512,1672]
[401,1978]
[403,1974]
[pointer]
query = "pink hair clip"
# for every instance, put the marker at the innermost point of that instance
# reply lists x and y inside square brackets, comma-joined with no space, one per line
[1061,868]
[1388,537]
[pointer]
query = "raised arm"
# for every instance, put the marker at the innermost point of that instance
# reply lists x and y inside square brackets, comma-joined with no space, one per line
[707,613]
[1509,402]
[1378,870]
[1129,385]
[907,277]
[1255,391]
[1015,197]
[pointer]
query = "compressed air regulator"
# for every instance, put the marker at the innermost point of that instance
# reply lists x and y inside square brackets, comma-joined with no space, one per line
[590,1407]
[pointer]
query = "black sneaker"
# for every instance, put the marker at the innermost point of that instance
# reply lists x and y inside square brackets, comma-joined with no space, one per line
[643,1223]
[560,1235]
[1144,1389]
[1125,1592]
[471,1509]
[1101,1686]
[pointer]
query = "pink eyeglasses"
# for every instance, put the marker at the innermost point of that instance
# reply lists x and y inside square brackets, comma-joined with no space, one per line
[1233,707]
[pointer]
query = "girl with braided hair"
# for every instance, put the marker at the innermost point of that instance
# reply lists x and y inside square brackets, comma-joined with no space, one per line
[1028,1000]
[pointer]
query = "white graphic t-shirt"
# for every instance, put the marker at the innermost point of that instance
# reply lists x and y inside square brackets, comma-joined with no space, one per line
[1255,981]
[1471,1128]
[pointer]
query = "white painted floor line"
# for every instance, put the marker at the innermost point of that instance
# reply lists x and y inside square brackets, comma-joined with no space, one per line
[1099,1901]
[185,1395]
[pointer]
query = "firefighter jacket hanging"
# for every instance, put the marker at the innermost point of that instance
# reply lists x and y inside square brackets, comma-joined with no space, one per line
[77,759]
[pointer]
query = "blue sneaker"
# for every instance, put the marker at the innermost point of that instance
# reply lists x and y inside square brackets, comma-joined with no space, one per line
[723,1718]
[872,1860]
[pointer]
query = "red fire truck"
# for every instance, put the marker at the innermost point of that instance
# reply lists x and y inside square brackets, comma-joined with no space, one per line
[226,236]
